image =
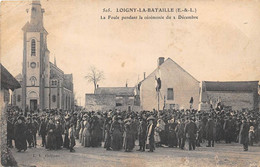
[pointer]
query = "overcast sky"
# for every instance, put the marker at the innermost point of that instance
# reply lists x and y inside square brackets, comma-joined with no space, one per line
[222,45]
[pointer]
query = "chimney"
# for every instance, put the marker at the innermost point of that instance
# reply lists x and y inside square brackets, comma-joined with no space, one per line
[160,61]
[144,75]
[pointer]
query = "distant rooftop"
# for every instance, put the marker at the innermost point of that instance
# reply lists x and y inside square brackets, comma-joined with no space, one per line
[231,86]
[118,91]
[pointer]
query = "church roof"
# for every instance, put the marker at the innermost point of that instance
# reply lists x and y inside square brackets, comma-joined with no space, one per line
[118,91]
[231,86]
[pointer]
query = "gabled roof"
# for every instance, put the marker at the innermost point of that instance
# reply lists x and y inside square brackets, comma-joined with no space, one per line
[118,91]
[231,86]
[169,59]
[7,80]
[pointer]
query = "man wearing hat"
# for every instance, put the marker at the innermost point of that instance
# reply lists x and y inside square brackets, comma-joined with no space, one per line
[243,134]
[142,133]
[190,132]
[150,134]
[180,133]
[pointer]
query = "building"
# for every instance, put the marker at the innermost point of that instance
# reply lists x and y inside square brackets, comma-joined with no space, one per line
[110,98]
[8,83]
[179,89]
[239,95]
[44,85]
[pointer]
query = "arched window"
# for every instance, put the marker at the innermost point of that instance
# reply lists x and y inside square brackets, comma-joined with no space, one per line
[33,80]
[33,49]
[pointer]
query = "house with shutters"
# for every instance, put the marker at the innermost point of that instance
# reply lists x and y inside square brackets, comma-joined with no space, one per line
[178,88]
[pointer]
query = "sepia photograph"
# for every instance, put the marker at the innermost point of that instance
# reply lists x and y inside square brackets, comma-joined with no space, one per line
[120,83]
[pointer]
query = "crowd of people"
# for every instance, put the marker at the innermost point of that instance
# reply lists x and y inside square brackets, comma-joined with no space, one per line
[119,130]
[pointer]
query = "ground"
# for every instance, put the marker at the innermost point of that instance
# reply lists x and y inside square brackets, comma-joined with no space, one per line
[220,155]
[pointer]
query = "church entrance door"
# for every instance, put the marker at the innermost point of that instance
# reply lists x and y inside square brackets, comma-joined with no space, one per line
[33,105]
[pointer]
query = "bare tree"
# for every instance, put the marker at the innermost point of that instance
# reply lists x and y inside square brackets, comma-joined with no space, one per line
[95,76]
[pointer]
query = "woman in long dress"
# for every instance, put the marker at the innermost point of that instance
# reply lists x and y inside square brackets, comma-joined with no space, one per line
[20,135]
[172,137]
[117,135]
[86,140]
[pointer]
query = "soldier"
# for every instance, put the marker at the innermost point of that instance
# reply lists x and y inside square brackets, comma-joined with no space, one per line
[190,132]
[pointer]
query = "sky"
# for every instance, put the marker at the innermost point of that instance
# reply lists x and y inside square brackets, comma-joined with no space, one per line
[222,45]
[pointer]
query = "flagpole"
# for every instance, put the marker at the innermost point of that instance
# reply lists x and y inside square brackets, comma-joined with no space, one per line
[158,95]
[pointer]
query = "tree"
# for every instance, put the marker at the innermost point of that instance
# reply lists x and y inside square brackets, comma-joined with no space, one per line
[95,76]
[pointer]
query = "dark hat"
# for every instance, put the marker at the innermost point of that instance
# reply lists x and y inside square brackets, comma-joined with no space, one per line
[150,118]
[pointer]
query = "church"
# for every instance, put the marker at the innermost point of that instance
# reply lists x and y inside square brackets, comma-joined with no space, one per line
[44,84]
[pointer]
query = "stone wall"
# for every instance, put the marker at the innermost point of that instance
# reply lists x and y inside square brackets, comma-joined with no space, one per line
[96,102]
[237,100]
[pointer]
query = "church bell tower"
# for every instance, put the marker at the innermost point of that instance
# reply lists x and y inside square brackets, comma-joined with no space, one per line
[35,59]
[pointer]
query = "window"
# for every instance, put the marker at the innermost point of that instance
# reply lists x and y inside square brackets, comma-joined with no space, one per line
[53,98]
[18,98]
[54,82]
[118,104]
[170,95]
[33,44]
[33,80]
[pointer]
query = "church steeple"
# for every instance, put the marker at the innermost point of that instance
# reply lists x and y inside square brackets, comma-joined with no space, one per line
[36,18]
[36,13]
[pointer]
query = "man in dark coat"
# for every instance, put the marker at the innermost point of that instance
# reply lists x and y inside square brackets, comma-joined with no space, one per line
[190,131]
[227,129]
[210,132]
[20,134]
[243,134]
[10,132]
[142,134]
[35,127]
[43,131]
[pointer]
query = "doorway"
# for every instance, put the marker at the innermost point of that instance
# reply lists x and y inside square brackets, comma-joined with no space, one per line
[33,105]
